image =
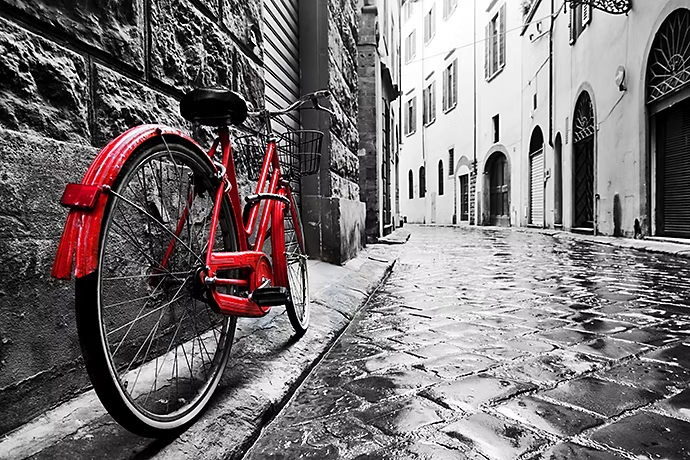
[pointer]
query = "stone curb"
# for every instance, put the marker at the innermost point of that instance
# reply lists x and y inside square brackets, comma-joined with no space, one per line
[659,246]
[267,365]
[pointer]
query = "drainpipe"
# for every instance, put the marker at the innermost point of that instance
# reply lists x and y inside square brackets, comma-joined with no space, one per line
[473,171]
[551,89]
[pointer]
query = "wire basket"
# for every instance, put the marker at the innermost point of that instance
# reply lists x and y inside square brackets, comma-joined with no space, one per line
[299,153]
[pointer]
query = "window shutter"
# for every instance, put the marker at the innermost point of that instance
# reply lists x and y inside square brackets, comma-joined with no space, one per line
[502,37]
[454,88]
[586,14]
[487,48]
[433,101]
[444,89]
[571,24]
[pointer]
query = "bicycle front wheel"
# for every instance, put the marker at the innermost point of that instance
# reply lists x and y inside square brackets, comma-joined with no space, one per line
[154,349]
[298,305]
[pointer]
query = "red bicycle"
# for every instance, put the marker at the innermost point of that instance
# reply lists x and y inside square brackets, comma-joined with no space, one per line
[166,257]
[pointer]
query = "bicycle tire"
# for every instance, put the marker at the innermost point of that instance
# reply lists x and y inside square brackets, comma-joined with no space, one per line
[298,306]
[128,347]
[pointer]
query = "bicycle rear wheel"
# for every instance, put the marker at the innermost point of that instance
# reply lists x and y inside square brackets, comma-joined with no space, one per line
[153,348]
[298,305]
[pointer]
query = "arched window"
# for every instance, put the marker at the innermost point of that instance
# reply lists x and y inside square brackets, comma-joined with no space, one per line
[440,177]
[422,182]
[410,185]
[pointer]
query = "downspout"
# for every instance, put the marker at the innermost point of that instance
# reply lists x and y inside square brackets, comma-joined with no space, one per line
[551,117]
[474,111]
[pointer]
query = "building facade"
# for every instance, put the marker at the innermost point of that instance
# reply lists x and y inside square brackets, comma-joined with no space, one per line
[580,117]
[614,140]
[460,135]
[77,74]
[379,114]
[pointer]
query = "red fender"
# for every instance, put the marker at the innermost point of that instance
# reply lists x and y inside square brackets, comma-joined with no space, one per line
[81,236]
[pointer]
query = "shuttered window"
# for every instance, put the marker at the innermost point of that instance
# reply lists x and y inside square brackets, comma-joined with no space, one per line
[495,44]
[281,58]
[429,103]
[450,86]
[411,116]
[580,18]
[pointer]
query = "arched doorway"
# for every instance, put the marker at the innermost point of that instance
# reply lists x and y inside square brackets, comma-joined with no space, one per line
[583,164]
[499,189]
[536,178]
[558,181]
[668,103]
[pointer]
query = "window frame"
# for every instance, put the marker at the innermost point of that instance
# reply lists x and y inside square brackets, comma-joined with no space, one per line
[450,86]
[429,104]
[411,46]
[449,6]
[430,25]
[411,116]
[495,44]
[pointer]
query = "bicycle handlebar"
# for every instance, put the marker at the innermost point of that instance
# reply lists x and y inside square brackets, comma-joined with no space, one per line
[312,97]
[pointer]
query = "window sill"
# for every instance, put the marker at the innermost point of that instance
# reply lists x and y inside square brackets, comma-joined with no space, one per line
[426,125]
[410,133]
[493,75]
[450,108]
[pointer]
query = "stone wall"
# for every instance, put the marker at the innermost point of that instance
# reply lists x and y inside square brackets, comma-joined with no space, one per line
[73,75]
[368,114]
[331,200]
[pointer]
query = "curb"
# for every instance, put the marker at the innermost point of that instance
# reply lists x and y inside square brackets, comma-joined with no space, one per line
[266,367]
[650,245]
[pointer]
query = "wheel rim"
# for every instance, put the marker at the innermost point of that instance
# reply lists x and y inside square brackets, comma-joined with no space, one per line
[166,348]
[297,272]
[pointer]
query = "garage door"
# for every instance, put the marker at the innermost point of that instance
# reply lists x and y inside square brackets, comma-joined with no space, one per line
[281,58]
[536,163]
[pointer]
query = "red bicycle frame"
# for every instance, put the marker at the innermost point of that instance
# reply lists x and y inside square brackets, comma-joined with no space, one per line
[249,258]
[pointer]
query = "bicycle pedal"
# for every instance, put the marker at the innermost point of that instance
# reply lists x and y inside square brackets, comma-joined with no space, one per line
[270,296]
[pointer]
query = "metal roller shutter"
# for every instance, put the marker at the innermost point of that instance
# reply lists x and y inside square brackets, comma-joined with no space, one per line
[674,177]
[281,56]
[536,167]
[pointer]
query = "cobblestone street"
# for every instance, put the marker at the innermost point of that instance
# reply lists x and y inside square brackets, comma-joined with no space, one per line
[503,344]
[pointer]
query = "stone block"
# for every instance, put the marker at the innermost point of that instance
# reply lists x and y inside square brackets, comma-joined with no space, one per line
[122,103]
[39,352]
[115,27]
[334,227]
[187,48]
[343,161]
[43,87]
[244,21]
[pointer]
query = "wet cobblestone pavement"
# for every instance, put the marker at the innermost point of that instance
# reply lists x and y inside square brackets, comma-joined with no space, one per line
[499,344]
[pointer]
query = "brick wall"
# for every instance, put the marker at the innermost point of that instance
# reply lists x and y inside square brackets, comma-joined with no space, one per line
[71,78]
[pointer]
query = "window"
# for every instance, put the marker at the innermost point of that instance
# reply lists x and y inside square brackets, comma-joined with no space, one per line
[429,25]
[495,44]
[410,185]
[422,182]
[411,116]
[429,102]
[451,160]
[450,86]
[410,46]
[580,17]
[441,177]
[495,126]
[449,7]
[407,9]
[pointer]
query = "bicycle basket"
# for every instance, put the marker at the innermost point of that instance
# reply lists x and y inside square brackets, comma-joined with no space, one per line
[249,154]
[299,153]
